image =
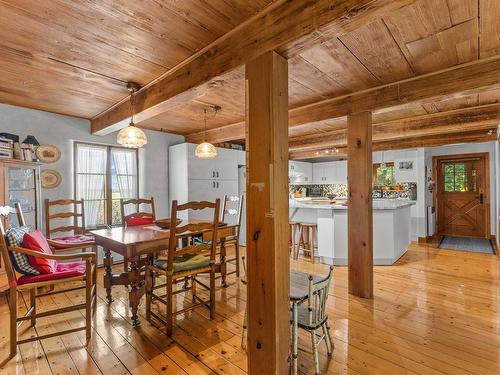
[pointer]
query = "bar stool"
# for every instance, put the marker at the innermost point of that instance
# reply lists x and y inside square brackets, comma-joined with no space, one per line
[307,239]
[292,243]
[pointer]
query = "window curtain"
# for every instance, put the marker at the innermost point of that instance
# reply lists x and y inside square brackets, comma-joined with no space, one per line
[91,180]
[125,166]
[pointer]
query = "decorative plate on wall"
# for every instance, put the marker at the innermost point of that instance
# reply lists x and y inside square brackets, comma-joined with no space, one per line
[50,178]
[48,153]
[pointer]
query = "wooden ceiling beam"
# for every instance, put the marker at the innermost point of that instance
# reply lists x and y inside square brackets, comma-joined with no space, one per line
[286,26]
[466,119]
[474,136]
[461,80]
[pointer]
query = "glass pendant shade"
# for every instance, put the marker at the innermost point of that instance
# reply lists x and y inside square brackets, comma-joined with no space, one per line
[205,150]
[131,137]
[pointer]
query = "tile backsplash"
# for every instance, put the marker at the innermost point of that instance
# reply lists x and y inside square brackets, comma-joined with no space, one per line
[409,190]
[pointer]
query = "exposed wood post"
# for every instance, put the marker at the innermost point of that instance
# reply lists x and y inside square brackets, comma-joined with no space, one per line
[267,214]
[360,215]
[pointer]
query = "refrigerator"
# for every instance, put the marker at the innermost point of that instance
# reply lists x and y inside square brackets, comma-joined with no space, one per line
[242,186]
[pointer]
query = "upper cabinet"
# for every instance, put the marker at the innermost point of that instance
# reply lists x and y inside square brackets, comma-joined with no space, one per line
[300,172]
[224,166]
[334,172]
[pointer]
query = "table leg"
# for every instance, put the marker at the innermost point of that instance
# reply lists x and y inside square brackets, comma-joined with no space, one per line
[133,295]
[108,276]
[294,337]
[223,264]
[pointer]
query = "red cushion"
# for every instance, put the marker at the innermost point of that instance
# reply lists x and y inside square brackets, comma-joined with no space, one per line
[68,241]
[37,241]
[63,270]
[134,221]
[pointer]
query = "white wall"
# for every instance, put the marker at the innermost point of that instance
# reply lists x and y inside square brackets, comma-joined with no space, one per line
[63,130]
[492,149]
[417,175]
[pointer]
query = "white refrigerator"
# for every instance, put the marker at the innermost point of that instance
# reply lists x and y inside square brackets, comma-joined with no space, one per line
[242,186]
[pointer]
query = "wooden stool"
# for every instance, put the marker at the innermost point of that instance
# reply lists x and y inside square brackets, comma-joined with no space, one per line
[292,243]
[307,239]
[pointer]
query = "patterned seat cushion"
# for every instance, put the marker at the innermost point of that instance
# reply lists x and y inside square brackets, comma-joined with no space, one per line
[62,271]
[135,221]
[14,237]
[186,262]
[72,241]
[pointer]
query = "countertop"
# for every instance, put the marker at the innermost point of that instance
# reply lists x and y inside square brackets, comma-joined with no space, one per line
[378,204]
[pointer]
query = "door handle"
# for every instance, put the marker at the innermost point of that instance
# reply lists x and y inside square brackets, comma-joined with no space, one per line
[213,184]
[481,198]
[217,185]
[217,174]
[213,174]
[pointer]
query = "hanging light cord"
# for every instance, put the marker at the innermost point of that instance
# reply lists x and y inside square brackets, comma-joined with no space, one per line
[205,111]
[132,106]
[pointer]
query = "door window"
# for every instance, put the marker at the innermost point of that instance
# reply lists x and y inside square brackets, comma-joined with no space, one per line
[459,177]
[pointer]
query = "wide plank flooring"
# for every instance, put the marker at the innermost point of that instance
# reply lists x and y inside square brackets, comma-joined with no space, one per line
[435,312]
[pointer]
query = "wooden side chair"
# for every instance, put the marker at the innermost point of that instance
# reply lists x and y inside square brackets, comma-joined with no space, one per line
[312,316]
[74,211]
[137,217]
[23,276]
[232,206]
[184,262]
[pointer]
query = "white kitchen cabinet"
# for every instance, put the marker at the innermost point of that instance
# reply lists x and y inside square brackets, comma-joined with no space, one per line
[333,172]
[340,174]
[300,171]
[193,179]
[224,166]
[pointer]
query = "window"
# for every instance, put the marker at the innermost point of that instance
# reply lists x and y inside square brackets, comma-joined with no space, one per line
[383,176]
[459,177]
[103,175]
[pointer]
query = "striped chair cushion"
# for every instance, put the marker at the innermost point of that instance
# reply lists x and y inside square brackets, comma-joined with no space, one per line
[14,237]
[186,262]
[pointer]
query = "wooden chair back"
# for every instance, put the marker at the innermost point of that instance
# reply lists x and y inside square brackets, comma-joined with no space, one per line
[4,248]
[232,206]
[69,209]
[318,295]
[137,213]
[207,249]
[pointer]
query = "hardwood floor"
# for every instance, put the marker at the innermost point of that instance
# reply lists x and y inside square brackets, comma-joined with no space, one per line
[437,311]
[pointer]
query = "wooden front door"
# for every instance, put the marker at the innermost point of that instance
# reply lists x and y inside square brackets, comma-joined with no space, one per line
[462,195]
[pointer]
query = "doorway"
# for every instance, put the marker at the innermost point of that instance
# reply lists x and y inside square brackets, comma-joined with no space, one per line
[462,198]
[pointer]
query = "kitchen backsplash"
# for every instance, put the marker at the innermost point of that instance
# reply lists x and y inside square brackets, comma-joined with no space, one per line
[340,190]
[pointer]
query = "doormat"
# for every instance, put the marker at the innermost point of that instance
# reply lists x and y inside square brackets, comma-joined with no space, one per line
[476,245]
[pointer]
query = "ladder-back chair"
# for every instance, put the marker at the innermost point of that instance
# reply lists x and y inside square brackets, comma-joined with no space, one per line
[72,210]
[232,207]
[23,277]
[182,263]
[133,216]
[136,216]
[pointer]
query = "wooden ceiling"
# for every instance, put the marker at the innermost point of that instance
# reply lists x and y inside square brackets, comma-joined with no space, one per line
[75,57]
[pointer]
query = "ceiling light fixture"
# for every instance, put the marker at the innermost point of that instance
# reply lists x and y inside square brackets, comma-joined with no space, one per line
[132,136]
[206,150]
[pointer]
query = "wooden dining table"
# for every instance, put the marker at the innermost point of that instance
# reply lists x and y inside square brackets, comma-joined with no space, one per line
[138,244]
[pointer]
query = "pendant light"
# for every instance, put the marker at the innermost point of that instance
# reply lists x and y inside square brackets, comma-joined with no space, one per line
[382,165]
[206,150]
[132,136]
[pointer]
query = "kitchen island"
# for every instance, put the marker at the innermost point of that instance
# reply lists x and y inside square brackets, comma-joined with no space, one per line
[391,228]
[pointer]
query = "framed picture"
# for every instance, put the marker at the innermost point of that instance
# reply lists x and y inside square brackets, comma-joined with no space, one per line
[405,165]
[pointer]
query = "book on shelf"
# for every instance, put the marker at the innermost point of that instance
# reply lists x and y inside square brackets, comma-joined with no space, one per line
[6,148]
